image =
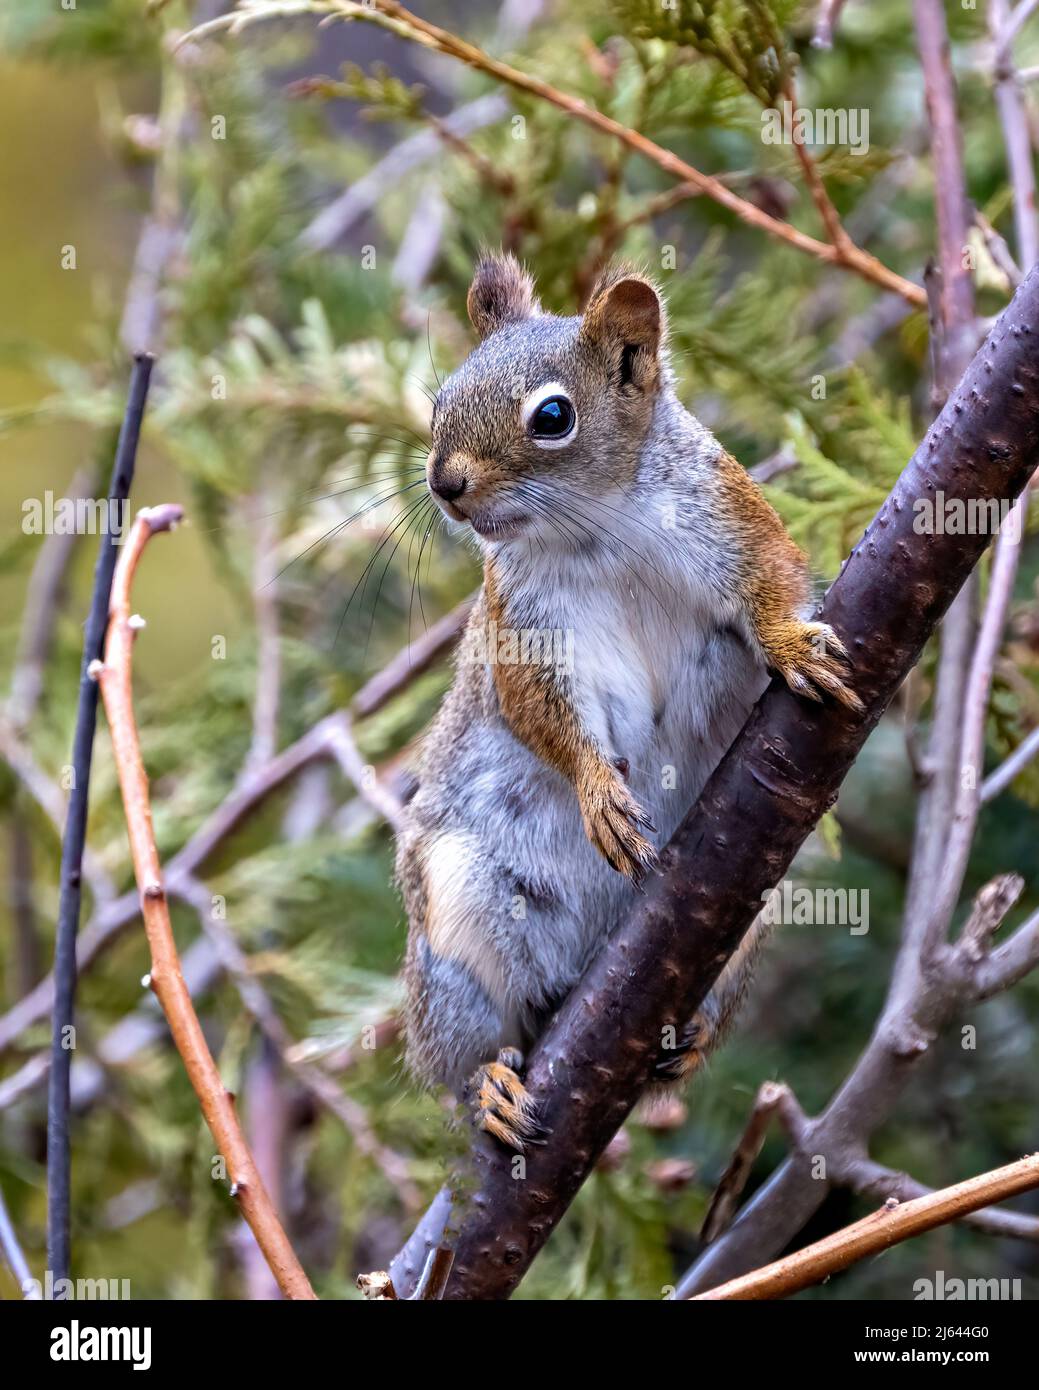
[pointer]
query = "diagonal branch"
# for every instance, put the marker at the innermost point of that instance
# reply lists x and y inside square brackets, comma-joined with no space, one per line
[894,1222]
[875,1180]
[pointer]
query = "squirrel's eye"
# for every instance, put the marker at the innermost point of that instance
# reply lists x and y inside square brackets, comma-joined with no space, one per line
[553,418]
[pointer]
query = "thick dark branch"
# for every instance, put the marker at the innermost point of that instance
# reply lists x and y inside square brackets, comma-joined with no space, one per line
[782,773]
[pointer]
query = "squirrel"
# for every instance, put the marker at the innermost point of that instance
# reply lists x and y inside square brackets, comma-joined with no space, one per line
[637,591]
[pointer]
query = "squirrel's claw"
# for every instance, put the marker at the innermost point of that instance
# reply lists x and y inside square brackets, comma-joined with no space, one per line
[502,1103]
[688,1056]
[614,822]
[813,660]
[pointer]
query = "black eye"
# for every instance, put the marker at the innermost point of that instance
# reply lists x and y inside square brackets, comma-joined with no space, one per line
[553,418]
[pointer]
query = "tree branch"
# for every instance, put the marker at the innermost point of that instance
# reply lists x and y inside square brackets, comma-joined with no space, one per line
[921,1003]
[874,1180]
[894,1222]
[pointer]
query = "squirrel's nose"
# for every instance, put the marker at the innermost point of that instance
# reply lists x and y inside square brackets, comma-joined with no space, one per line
[445,482]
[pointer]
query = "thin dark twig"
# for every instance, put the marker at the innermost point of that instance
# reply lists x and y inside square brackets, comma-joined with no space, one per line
[59,1159]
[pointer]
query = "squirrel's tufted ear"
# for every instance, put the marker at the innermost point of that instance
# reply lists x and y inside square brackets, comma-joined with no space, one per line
[502,292]
[625,317]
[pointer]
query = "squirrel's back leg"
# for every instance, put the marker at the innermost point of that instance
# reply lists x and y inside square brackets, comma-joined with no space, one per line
[709,1025]
[463,1029]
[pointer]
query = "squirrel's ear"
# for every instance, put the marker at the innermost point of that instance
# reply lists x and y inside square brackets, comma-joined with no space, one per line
[502,292]
[626,319]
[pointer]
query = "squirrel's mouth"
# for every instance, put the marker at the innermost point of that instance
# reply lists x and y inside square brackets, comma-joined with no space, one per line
[497,528]
[488,523]
[449,509]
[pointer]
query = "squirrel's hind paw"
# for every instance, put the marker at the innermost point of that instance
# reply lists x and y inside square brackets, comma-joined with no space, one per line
[502,1103]
[690,1055]
[813,661]
[614,822]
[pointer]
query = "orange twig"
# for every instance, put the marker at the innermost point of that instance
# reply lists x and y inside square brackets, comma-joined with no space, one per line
[894,1222]
[835,229]
[399,20]
[842,251]
[165,978]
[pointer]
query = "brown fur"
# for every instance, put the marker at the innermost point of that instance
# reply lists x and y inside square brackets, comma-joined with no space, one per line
[535,706]
[775,586]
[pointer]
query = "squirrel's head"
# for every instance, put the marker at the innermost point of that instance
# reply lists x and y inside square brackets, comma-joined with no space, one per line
[547,414]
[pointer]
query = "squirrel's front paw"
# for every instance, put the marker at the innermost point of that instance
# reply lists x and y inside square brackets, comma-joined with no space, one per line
[502,1103]
[811,658]
[614,821]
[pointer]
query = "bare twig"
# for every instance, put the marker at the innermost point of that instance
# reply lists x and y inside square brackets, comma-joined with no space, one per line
[970,761]
[498,180]
[1010,962]
[772,1099]
[11,1249]
[329,738]
[923,995]
[817,188]
[910,1022]
[953,216]
[873,1180]
[895,1221]
[419,247]
[845,1165]
[334,221]
[998,250]
[1020,15]
[1011,767]
[409,663]
[353,766]
[312,1076]
[19,758]
[165,978]
[826,23]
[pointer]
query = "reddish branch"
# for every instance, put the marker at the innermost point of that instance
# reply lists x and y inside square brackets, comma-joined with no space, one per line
[389,14]
[165,978]
[894,1222]
[782,773]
